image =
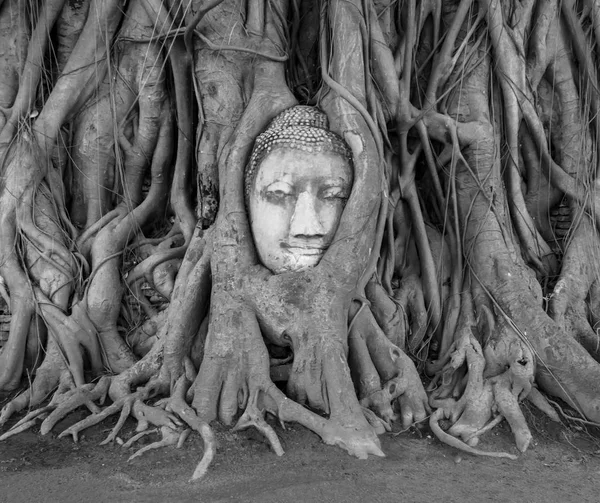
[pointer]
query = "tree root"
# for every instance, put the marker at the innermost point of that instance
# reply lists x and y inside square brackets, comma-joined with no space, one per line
[341,325]
[83,395]
[165,418]
[133,405]
[63,402]
[178,405]
[331,432]
[51,374]
[458,444]
[378,357]
[254,417]
[471,413]
[27,422]
[542,403]
[169,437]
[235,374]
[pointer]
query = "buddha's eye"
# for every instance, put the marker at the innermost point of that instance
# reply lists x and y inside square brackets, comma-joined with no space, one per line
[278,191]
[334,193]
[280,194]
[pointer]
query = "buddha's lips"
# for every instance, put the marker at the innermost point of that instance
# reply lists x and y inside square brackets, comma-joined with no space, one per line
[303,250]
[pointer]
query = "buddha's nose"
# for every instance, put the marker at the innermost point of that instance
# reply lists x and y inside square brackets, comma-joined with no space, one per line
[305,220]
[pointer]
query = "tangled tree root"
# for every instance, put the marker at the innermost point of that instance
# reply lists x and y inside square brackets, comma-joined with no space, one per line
[462,209]
[458,444]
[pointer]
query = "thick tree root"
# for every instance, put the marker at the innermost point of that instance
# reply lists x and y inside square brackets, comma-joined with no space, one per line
[373,356]
[357,443]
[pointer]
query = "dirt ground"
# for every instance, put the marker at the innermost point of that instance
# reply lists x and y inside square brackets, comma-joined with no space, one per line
[561,465]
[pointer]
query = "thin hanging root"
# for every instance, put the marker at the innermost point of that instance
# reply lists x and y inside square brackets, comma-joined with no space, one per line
[253,416]
[459,444]
[22,426]
[169,437]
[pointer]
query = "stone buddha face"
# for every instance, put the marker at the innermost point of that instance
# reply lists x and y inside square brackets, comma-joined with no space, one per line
[295,203]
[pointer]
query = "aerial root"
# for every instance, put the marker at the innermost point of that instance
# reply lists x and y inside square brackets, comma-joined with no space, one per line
[459,444]
[254,417]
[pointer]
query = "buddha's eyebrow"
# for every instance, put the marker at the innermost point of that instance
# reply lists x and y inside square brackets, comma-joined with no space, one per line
[278,183]
[337,182]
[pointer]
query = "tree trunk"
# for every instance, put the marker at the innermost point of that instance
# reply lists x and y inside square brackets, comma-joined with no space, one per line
[466,255]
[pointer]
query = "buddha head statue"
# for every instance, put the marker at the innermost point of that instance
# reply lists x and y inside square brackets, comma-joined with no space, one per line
[297,182]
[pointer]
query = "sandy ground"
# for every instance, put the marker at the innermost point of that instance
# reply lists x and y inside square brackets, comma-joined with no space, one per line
[560,466]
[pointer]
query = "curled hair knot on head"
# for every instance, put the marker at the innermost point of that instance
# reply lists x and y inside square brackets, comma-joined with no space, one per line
[301,127]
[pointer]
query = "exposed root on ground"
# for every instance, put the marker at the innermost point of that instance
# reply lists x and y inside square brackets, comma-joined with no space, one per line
[458,444]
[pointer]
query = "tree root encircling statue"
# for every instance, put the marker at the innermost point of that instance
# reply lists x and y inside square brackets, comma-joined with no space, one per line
[126,130]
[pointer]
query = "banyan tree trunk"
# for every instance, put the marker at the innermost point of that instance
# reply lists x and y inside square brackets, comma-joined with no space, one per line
[466,257]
